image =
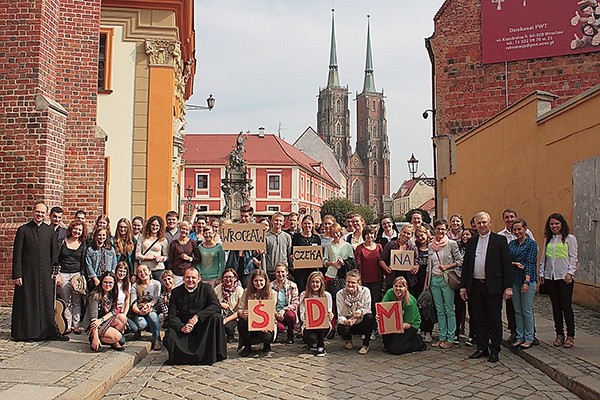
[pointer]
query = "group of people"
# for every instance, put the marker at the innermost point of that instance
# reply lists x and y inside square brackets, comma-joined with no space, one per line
[175,274]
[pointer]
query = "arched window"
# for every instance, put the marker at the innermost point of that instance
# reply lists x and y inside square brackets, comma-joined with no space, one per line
[375,168]
[338,129]
[357,190]
[338,149]
[338,106]
[375,189]
[374,105]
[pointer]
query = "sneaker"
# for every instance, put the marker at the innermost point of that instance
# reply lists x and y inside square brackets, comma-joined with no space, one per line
[363,350]
[469,342]
[535,342]
[290,339]
[428,338]
[374,335]
[321,352]
[349,344]
[266,348]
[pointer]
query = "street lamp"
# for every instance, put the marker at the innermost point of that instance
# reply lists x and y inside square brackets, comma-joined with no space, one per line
[210,102]
[413,166]
[188,194]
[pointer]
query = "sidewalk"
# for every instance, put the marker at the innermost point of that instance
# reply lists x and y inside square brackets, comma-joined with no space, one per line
[60,370]
[69,370]
[576,369]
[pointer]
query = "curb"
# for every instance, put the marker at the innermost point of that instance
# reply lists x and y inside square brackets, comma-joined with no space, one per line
[107,375]
[552,368]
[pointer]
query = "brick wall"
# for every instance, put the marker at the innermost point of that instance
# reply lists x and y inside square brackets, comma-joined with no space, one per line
[48,152]
[468,92]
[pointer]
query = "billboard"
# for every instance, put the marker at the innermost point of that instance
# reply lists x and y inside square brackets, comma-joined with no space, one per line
[526,29]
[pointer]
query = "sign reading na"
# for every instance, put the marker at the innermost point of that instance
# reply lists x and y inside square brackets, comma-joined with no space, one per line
[390,317]
[317,316]
[261,315]
[308,256]
[243,237]
[402,260]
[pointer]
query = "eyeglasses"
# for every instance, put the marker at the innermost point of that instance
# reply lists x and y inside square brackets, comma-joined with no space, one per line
[229,277]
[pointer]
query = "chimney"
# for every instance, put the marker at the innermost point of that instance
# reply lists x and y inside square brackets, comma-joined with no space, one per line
[261,132]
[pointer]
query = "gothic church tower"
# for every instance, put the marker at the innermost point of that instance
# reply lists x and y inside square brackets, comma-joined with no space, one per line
[369,166]
[333,115]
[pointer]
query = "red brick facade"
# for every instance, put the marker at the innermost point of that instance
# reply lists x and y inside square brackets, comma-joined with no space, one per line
[48,87]
[468,92]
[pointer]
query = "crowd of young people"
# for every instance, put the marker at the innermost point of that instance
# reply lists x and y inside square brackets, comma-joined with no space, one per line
[131,278]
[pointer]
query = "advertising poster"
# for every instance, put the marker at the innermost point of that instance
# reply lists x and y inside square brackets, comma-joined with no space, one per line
[529,29]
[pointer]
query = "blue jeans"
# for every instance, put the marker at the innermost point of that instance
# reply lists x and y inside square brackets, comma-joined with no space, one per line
[523,303]
[443,297]
[143,321]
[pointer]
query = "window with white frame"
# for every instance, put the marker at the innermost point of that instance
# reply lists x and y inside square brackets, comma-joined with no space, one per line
[274,182]
[202,181]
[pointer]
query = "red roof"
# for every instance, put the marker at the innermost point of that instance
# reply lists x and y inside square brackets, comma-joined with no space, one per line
[214,148]
[429,205]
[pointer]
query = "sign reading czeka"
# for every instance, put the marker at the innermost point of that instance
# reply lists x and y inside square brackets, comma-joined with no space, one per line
[317,316]
[307,256]
[402,260]
[243,237]
[261,315]
[390,317]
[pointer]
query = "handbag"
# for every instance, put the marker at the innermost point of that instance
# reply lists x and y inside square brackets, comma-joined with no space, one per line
[78,283]
[452,279]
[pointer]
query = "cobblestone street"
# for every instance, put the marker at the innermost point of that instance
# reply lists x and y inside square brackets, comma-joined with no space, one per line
[293,372]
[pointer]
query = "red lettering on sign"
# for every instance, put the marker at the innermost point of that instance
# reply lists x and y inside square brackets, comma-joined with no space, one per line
[260,313]
[315,313]
[394,312]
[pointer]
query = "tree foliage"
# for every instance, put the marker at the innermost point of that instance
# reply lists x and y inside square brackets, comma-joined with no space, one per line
[340,207]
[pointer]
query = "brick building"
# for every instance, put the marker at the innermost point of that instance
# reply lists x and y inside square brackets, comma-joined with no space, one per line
[467,92]
[52,147]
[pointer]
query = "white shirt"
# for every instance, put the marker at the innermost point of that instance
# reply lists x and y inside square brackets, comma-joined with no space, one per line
[480,255]
[510,237]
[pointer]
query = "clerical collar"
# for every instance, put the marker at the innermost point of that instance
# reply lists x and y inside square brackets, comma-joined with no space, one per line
[191,291]
[486,235]
[38,224]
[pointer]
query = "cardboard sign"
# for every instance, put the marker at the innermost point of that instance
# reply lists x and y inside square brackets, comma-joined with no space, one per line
[307,256]
[390,317]
[317,316]
[261,315]
[402,260]
[243,237]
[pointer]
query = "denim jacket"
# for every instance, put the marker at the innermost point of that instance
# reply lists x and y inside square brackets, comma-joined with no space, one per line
[92,261]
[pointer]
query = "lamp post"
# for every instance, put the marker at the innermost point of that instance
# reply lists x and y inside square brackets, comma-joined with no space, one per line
[413,167]
[434,146]
[188,194]
[210,105]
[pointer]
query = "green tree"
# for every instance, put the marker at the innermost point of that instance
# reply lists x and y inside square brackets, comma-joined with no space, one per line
[367,213]
[337,207]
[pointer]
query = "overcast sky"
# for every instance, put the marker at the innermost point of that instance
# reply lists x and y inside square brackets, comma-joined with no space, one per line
[264,61]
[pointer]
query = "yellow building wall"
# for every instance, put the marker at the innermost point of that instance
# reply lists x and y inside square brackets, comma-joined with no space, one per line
[522,160]
[159,169]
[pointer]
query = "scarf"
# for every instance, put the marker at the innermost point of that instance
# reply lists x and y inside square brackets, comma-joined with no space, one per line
[439,245]
[227,292]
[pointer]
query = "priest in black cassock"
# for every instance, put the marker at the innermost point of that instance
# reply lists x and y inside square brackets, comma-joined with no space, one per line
[195,331]
[34,252]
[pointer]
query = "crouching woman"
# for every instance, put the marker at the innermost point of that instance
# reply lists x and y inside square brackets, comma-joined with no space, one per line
[106,325]
[408,340]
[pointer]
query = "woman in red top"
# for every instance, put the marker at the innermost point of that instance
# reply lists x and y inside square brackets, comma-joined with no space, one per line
[367,256]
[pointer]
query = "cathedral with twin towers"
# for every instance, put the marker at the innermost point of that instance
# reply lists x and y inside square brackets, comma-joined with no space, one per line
[368,167]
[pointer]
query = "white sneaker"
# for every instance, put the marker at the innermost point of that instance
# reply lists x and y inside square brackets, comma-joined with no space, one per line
[427,338]
[363,350]
[321,352]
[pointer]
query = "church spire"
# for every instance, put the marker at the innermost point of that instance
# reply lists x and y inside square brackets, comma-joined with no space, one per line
[369,85]
[333,80]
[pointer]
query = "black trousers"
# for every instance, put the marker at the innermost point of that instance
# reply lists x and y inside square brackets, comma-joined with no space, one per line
[363,328]
[402,343]
[510,316]
[487,317]
[561,297]
[248,338]
[376,289]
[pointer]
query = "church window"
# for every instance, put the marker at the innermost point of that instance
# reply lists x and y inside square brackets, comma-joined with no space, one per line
[375,189]
[375,168]
[357,189]
[373,105]
[338,129]
[338,106]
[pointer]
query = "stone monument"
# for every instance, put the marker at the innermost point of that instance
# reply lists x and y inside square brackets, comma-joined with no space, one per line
[236,186]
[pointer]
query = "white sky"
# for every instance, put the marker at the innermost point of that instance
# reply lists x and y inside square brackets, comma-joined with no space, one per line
[264,61]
